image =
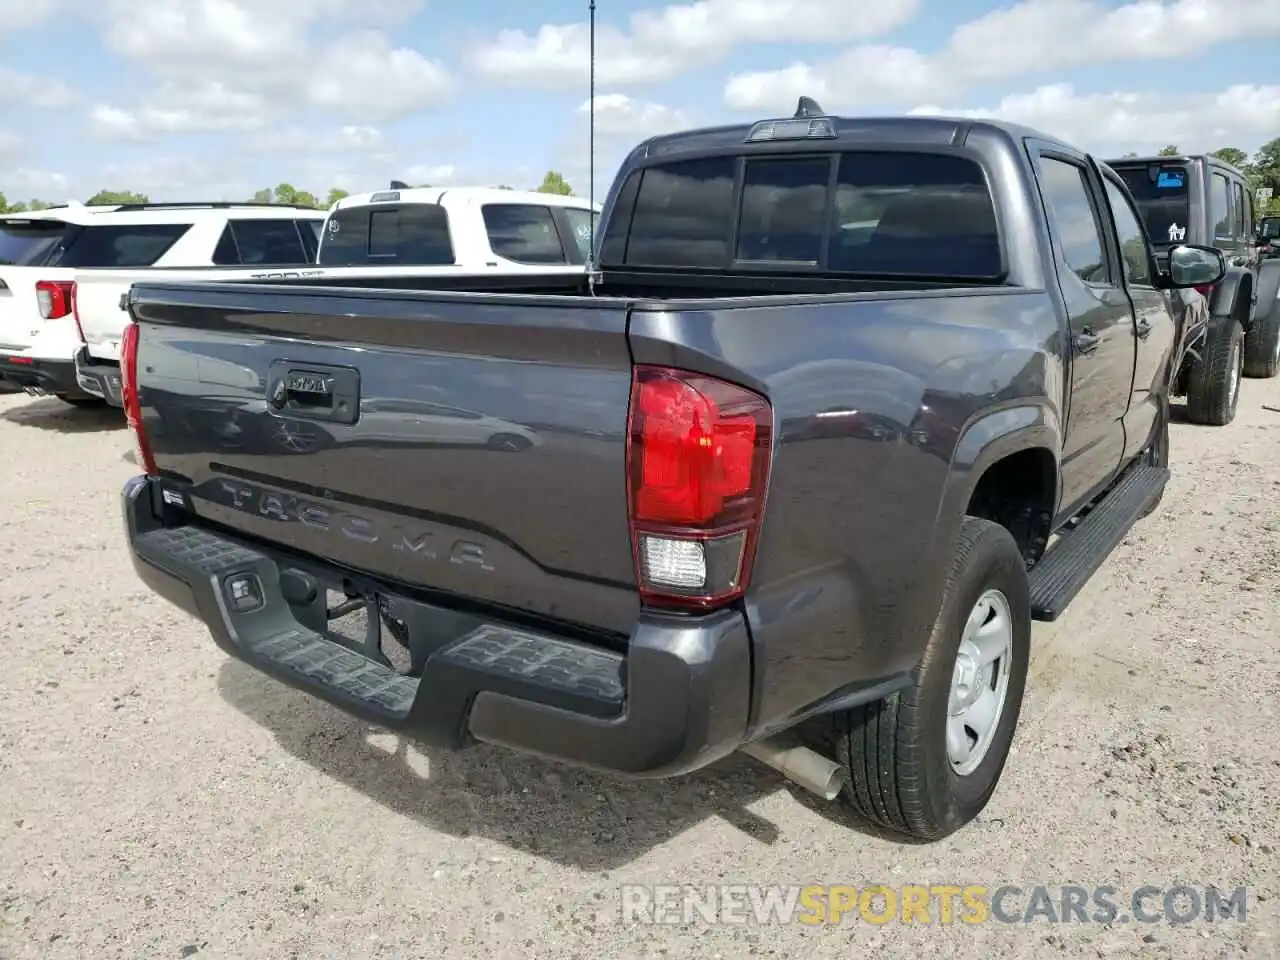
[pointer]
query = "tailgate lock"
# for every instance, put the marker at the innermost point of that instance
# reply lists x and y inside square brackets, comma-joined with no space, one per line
[314,391]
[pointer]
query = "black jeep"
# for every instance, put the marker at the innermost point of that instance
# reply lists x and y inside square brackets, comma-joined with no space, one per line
[1202,199]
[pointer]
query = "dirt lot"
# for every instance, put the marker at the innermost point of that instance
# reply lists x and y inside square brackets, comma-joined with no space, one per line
[161,801]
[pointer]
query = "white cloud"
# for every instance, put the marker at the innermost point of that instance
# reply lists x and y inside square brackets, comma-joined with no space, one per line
[28,90]
[618,115]
[222,65]
[25,183]
[437,175]
[671,40]
[1035,36]
[10,144]
[1112,123]
[20,14]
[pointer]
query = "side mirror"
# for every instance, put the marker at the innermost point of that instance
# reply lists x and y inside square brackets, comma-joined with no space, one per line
[1191,265]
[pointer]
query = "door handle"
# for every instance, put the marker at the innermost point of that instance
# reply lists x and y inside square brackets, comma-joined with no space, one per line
[1144,329]
[1086,341]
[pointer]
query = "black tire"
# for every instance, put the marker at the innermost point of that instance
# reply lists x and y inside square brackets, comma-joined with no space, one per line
[1213,388]
[895,751]
[1262,344]
[82,402]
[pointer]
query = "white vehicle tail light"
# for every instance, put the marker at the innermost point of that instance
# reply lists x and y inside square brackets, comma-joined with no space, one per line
[130,398]
[54,298]
[698,457]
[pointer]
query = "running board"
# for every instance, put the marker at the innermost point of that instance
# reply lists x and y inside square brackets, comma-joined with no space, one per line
[1067,566]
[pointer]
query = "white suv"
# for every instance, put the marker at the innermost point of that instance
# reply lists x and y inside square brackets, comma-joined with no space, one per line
[41,252]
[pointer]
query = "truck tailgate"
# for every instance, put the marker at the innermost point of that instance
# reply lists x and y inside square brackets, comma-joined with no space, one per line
[471,446]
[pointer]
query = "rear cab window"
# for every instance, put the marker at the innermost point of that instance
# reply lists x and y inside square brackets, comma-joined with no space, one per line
[882,213]
[1162,193]
[410,234]
[523,233]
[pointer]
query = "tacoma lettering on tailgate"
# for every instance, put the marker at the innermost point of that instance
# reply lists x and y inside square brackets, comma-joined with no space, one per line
[416,541]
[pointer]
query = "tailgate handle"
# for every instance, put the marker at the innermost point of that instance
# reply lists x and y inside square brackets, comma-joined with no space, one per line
[314,391]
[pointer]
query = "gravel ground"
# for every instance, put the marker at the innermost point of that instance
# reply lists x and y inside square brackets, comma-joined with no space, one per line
[162,801]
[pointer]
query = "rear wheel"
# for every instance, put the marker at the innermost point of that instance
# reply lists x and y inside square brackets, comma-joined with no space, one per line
[1262,345]
[1213,388]
[925,762]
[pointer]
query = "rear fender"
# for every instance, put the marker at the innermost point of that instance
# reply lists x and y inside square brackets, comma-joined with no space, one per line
[1232,297]
[985,441]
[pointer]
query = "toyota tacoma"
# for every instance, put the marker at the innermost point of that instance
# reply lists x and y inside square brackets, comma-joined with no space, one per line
[842,406]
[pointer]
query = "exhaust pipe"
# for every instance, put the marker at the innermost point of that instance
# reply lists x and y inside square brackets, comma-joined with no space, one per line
[800,765]
[35,391]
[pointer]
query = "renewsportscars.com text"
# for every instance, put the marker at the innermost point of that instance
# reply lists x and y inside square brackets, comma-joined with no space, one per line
[930,904]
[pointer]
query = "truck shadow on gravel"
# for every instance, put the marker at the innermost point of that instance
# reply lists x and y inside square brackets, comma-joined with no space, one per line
[52,414]
[571,817]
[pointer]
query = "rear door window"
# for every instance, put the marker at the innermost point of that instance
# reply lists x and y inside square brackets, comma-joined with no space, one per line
[884,214]
[28,243]
[1238,228]
[118,245]
[523,232]
[415,234]
[254,242]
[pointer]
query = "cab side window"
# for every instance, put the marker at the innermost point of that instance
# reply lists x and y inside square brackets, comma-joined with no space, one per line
[1135,254]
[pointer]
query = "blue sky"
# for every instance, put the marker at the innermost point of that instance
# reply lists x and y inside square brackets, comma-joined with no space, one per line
[216,98]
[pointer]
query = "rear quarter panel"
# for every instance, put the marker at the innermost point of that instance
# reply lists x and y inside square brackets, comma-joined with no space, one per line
[886,412]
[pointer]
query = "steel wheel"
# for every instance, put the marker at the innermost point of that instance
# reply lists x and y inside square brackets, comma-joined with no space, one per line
[980,682]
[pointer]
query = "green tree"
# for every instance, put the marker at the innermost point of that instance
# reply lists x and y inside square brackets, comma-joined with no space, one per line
[336,194]
[503,186]
[1170,151]
[554,182]
[288,193]
[261,196]
[111,197]
[1265,170]
[1130,154]
[1233,156]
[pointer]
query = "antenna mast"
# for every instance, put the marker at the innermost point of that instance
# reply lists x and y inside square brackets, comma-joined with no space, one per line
[591,149]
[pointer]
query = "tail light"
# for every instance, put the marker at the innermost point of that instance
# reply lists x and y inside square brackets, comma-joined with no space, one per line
[75,311]
[129,396]
[698,456]
[54,298]
[1205,290]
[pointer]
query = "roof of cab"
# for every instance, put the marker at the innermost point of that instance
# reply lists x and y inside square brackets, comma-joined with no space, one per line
[850,131]
[463,194]
[1208,158]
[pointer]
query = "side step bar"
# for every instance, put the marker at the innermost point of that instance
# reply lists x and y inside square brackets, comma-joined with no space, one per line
[1067,566]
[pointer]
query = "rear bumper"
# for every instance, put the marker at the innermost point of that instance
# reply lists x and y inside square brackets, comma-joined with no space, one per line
[40,375]
[98,379]
[677,700]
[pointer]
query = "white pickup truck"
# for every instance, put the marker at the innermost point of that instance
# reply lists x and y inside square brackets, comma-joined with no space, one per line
[368,238]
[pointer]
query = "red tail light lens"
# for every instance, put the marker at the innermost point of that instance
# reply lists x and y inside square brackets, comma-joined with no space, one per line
[1205,289]
[75,311]
[698,457]
[54,298]
[129,395]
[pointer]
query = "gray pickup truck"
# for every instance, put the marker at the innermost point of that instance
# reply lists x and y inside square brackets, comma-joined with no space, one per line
[845,405]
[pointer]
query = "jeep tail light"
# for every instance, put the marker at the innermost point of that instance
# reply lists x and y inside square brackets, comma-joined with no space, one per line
[129,395]
[1205,290]
[54,298]
[698,458]
[75,310]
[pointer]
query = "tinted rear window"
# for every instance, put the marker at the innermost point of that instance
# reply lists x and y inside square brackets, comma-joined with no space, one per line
[414,234]
[28,243]
[256,242]
[523,233]
[1162,193]
[908,214]
[125,245]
